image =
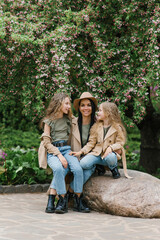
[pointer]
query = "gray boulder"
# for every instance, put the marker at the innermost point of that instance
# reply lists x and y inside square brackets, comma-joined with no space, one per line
[137,197]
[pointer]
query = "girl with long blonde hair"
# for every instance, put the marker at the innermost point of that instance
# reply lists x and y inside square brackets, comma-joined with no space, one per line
[57,126]
[105,145]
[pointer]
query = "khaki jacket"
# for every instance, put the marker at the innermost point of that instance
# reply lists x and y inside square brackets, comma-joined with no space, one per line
[97,144]
[75,141]
[42,153]
[46,146]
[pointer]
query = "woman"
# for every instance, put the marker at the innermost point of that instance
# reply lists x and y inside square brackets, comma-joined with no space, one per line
[57,124]
[86,107]
[107,137]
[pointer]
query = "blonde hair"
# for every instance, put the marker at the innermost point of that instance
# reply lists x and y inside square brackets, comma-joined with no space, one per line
[55,106]
[111,111]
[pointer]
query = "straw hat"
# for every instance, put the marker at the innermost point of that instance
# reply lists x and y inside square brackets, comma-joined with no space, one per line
[84,95]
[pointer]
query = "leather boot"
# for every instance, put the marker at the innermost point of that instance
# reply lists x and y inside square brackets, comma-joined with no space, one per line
[79,205]
[100,170]
[70,197]
[50,205]
[62,205]
[115,173]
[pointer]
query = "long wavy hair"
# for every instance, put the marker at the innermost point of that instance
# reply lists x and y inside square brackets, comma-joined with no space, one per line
[54,107]
[92,119]
[111,111]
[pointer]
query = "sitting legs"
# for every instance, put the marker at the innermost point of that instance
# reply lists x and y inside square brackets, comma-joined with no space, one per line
[89,161]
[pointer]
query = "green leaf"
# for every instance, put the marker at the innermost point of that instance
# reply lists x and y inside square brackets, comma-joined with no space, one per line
[2,170]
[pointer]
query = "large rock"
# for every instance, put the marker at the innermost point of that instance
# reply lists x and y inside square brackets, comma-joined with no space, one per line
[137,197]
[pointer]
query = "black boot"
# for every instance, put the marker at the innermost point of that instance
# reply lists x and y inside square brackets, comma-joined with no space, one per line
[115,173]
[100,170]
[70,195]
[62,205]
[79,204]
[50,206]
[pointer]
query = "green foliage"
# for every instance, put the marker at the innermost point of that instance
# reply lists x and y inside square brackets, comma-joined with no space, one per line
[10,137]
[19,158]
[109,48]
[157,174]
[22,168]
[133,140]
[19,164]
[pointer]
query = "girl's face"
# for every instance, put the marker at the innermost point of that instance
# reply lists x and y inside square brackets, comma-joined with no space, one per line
[85,108]
[66,105]
[101,115]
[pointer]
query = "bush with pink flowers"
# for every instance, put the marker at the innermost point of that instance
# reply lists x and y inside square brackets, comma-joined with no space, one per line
[110,48]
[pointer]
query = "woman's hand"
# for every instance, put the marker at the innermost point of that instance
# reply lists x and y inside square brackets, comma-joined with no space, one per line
[63,160]
[108,150]
[76,154]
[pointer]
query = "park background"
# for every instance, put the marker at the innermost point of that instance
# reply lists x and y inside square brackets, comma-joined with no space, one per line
[109,48]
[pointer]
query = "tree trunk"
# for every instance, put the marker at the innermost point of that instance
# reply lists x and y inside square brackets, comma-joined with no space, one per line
[150,145]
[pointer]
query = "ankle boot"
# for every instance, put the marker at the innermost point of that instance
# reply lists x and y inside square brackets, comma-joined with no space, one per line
[70,197]
[79,204]
[50,205]
[115,173]
[62,205]
[100,170]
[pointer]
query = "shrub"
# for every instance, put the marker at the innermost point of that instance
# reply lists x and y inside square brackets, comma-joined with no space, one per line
[21,167]
[10,137]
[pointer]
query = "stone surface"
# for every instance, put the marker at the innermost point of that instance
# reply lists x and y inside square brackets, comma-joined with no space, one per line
[137,197]
[24,188]
[23,217]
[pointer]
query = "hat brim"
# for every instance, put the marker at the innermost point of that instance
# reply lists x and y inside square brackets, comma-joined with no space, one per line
[76,102]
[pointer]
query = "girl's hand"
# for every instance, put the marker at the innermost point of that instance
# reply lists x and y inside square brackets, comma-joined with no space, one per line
[108,150]
[76,154]
[119,151]
[63,160]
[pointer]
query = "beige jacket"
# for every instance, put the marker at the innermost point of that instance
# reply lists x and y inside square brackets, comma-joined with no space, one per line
[45,146]
[75,141]
[97,144]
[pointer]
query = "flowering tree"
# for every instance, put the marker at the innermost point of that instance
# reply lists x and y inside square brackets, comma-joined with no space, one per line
[110,48]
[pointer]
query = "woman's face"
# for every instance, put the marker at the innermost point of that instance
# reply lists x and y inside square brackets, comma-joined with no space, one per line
[66,105]
[101,115]
[85,108]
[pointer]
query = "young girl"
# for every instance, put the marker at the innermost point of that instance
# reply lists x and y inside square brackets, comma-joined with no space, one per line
[57,124]
[106,140]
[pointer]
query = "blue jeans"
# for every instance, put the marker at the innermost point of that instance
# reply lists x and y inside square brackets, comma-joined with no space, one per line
[89,161]
[59,172]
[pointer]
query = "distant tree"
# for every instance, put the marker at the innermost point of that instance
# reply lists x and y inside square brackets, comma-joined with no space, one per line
[110,48]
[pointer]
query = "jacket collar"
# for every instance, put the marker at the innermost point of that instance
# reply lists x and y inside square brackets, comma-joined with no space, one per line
[101,131]
[110,132]
[75,129]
